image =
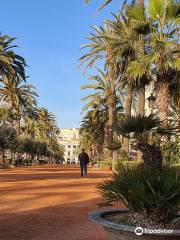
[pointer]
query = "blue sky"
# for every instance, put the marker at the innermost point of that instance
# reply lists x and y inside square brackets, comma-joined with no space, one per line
[49,34]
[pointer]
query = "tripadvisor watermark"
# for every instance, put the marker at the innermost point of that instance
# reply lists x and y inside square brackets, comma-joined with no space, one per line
[140,231]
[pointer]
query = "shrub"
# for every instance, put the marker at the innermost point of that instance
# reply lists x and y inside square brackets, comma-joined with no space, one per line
[131,164]
[171,151]
[8,139]
[153,193]
[123,155]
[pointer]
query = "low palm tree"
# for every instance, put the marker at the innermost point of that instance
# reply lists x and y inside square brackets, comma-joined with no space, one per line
[143,127]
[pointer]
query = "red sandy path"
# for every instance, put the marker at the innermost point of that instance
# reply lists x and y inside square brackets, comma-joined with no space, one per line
[48,203]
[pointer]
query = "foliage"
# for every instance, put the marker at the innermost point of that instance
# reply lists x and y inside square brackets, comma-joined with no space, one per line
[142,127]
[8,140]
[171,151]
[92,129]
[38,148]
[7,137]
[12,65]
[161,58]
[36,131]
[123,156]
[114,144]
[138,125]
[153,193]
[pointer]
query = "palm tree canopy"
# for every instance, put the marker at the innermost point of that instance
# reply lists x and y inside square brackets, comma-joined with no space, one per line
[17,95]
[11,64]
[142,124]
[161,28]
[137,124]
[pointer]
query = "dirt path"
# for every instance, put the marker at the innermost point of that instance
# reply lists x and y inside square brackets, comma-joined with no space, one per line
[48,203]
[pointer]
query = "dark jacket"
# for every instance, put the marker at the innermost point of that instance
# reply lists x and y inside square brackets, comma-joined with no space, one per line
[83,158]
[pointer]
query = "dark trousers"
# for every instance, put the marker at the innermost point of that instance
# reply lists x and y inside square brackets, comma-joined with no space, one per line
[83,170]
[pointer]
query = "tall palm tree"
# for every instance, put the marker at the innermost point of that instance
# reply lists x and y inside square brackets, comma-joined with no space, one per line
[162,46]
[101,88]
[99,49]
[29,127]
[92,130]
[99,99]
[18,97]
[11,64]
[115,44]
[141,88]
[47,127]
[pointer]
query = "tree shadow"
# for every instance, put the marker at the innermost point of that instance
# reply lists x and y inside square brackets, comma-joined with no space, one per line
[61,222]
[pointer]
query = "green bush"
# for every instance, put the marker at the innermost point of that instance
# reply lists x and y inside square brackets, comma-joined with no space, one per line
[123,155]
[171,152]
[131,164]
[155,194]
[107,163]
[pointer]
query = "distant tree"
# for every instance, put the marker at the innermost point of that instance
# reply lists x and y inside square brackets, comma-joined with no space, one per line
[8,139]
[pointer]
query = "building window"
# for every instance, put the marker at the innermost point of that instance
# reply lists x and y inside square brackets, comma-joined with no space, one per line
[69,153]
[74,146]
[69,146]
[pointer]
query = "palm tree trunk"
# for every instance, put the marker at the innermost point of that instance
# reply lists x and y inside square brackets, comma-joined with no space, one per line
[140,110]
[141,100]
[128,105]
[141,2]
[3,158]
[162,101]
[112,114]
[141,90]
[151,155]
[18,122]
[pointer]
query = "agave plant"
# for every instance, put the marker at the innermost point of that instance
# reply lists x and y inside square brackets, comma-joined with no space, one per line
[154,195]
[141,127]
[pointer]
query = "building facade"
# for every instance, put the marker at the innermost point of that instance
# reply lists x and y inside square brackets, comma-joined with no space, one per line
[69,138]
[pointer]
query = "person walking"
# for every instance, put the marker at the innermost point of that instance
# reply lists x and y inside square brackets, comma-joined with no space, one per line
[84,160]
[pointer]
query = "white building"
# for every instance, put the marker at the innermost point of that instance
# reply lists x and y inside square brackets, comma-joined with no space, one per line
[69,138]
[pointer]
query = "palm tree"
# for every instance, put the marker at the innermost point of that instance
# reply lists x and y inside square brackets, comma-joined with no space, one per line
[143,127]
[92,130]
[100,97]
[29,127]
[141,88]
[99,49]
[162,47]
[11,64]
[123,44]
[47,127]
[101,86]
[18,96]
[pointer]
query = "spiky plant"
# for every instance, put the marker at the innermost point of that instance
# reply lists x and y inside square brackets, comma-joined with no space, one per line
[141,128]
[154,195]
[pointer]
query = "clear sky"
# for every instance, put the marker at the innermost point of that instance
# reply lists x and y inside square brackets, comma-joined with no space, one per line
[49,34]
